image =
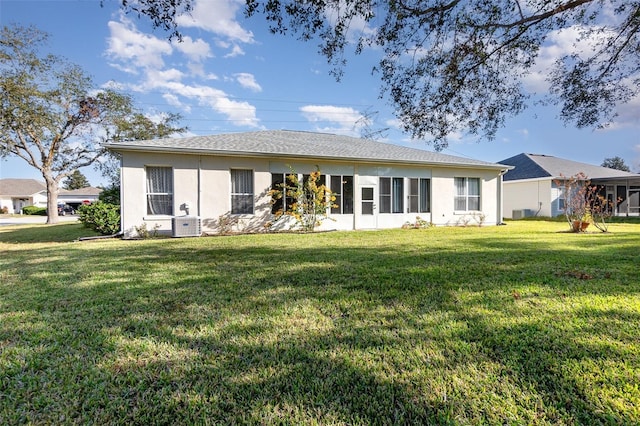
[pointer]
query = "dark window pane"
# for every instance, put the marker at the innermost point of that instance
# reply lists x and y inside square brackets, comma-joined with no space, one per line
[277,179]
[347,194]
[336,190]
[398,195]
[425,196]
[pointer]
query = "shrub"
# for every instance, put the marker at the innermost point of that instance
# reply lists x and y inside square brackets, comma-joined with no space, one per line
[34,211]
[4,210]
[100,217]
[110,195]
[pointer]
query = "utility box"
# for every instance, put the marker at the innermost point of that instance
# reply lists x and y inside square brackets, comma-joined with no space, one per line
[186,226]
[517,214]
[521,214]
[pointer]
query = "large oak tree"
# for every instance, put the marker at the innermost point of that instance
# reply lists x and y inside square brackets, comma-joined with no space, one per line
[457,65]
[51,115]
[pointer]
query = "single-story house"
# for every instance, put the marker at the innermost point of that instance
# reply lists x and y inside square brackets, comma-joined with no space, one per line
[530,187]
[76,197]
[15,194]
[224,181]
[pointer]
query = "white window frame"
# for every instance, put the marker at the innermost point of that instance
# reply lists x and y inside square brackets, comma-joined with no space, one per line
[395,197]
[340,193]
[421,199]
[233,194]
[466,196]
[148,193]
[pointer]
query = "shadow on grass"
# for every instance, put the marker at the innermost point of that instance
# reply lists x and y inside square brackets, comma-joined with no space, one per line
[59,233]
[303,329]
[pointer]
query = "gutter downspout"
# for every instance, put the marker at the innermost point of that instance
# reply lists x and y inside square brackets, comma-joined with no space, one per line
[121,193]
[500,198]
[199,203]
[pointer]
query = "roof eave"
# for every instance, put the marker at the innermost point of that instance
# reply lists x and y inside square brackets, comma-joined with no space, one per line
[204,151]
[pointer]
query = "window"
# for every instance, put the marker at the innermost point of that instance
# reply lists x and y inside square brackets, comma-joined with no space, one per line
[467,196]
[159,190]
[277,183]
[385,195]
[342,189]
[241,191]
[419,195]
[391,195]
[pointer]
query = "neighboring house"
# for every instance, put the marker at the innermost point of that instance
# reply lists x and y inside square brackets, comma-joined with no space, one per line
[530,188]
[15,194]
[225,181]
[76,197]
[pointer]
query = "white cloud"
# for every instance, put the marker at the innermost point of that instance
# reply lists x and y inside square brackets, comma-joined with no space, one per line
[196,51]
[394,123]
[334,119]
[559,44]
[239,113]
[157,78]
[218,17]
[627,117]
[141,54]
[174,101]
[235,51]
[248,81]
[357,26]
[134,49]
[569,41]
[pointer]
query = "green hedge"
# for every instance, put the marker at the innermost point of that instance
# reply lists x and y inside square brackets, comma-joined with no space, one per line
[100,217]
[34,211]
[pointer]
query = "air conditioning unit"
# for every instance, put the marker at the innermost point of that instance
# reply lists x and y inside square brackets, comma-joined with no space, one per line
[517,214]
[186,226]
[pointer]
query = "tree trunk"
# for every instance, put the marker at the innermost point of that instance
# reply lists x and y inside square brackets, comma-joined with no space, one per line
[52,198]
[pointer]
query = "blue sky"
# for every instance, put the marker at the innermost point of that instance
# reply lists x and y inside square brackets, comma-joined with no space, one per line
[231,75]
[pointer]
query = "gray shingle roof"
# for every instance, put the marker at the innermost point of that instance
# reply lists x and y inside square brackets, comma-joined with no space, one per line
[21,187]
[298,144]
[88,190]
[532,166]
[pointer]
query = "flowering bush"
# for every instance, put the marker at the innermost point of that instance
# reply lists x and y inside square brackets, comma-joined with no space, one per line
[584,203]
[311,199]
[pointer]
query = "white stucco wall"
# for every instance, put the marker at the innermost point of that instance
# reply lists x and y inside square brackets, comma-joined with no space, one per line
[534,195]
[203,182]
[443,190]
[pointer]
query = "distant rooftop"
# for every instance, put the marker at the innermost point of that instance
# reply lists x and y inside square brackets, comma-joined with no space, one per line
[532,166]
[298,144]
[21,187]
[16,188]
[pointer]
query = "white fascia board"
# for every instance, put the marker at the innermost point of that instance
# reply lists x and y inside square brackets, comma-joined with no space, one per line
[196,151]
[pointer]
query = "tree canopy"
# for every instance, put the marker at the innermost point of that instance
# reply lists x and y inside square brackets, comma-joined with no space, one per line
[51,115]
[616,163]
[76,181]
[457,66]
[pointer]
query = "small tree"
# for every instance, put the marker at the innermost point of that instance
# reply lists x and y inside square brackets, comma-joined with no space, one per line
[311,199]
[51,116]
[584,203]
[574,190]
[600,208]
[76,181]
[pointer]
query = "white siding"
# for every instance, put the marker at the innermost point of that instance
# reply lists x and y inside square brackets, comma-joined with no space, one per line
[534,195]
[203,182]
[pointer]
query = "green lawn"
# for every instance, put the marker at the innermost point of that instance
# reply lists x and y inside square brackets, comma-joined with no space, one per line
[517,324]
